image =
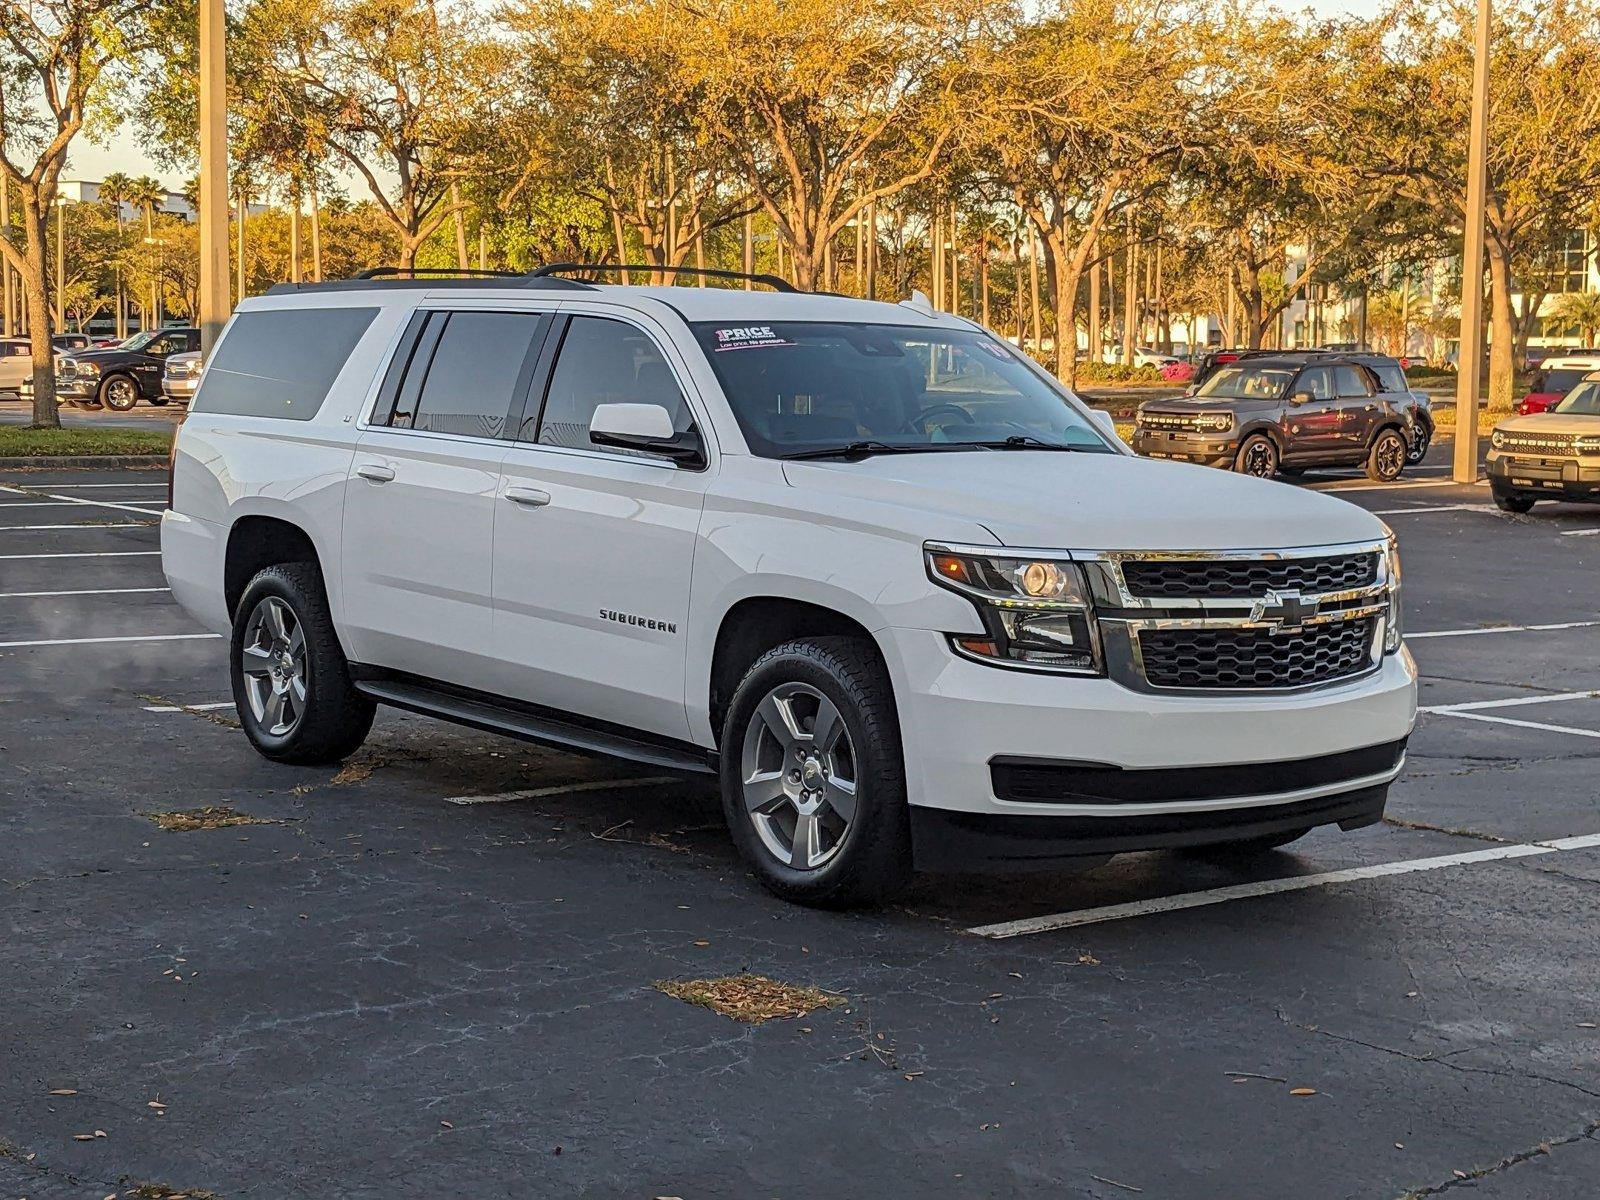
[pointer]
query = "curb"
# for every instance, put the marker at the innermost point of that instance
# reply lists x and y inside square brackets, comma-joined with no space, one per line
[104,461]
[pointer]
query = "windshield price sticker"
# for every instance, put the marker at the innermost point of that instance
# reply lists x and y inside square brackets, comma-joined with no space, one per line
[745,337]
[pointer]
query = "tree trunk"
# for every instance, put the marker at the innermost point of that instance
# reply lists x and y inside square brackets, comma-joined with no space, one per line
[461,227]
[1096,330]
[1502,336]
[37,300]
[316,234]
[1033,287]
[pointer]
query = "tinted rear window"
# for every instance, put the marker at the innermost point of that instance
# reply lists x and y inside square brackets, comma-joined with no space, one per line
[281,362]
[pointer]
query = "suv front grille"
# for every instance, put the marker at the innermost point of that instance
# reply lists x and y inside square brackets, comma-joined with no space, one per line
[1218,579]
[1539,443]
[1246,658]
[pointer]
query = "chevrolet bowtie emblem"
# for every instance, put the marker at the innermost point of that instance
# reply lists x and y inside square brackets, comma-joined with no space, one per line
[1287,612]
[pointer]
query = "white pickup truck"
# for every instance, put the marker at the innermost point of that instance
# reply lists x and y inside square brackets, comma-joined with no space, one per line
[911,601]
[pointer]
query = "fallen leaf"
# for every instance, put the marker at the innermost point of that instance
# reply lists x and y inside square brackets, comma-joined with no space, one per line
[1302,1091]
[910,1075]
[702,942]
[1459,1174]
[1399,1145]
[1585,1024]
[1088,960]
[100,1133]
[447,1124]
[83,1137]
[63,1091]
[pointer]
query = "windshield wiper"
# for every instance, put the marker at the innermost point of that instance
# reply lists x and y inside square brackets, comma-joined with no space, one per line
[864,448]
[1025,441]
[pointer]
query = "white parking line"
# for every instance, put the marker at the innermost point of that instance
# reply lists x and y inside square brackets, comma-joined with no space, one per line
[1540,725]
[1579,532]
[1268,887]
[598,785]
[152,637]
[1434,508]
[72,487]
[80,592]
[85,554]
[1335,486]
[172,708]
[1510,702]
[1444,633]
[79,525]
[15,491]
[36,504]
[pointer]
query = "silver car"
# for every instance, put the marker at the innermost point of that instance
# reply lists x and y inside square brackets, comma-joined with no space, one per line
[181,376]
[16,365]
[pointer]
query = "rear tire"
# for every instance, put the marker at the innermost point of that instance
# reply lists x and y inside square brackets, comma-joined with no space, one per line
[813,775]
[291,681]
[1417,447]
[1512,502]
[158,401]
[1257,456]
[1387,457]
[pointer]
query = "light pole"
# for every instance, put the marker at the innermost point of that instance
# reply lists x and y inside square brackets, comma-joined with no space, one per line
[1469,357]
[213,197]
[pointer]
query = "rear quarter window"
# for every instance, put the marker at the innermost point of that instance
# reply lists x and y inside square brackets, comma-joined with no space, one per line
[281,362]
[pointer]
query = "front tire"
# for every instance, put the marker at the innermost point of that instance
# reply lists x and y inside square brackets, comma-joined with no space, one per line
[1387,458]
[158,401]
[119,393]
[291,682]
[813,776]
[1258,456]
[1512,502]
[1417,447]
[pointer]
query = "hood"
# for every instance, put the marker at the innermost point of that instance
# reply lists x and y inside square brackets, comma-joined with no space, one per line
[103,354]
[1550,422]
[1051,500]
[1196,404]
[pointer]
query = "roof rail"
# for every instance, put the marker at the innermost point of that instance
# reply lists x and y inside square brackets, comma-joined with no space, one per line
[412,272]
[556,270]
[392,278]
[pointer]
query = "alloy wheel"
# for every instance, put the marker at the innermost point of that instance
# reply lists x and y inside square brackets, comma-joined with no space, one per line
[273,659]
[1390,455]
[798,767]
[120,394]
[1259,459]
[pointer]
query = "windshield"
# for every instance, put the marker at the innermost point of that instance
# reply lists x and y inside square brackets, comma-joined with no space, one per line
[1247,383]
[1581,401]
[140,340]
[800,386]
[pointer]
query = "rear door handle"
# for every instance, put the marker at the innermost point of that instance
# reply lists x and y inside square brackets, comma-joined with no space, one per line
[531,497]
[376,472]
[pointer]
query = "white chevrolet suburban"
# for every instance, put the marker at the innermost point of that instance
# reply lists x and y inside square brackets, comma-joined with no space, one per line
[912,602]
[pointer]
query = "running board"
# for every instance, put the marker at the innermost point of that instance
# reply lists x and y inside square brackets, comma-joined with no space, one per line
[530,727]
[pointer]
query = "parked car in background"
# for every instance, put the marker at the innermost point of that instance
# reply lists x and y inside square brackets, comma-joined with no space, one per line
[16,366]
[71,341]
[1555,377]
[1267,413]
[181,377]
[117,378]
[1550,455]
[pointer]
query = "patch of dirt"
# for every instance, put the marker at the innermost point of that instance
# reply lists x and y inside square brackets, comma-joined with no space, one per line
[749,998]
[160,1191]
[212,715]
[216,817]
[360,768]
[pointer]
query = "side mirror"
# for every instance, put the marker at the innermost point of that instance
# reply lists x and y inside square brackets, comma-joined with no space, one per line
[1300,398]
[646,427]
[1104,420]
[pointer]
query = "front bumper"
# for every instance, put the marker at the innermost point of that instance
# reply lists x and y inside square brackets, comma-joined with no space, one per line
[1560,478]
[179,387]
[77,387]
[1210,449]
[960,719]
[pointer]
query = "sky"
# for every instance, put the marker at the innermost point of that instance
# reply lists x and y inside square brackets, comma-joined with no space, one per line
[89,161]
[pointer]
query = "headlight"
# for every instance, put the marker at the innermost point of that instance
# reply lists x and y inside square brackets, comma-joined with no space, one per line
[86,368]
[1497,439]
[1035,611]
[1391,620]
[1216,422]
[1587,445]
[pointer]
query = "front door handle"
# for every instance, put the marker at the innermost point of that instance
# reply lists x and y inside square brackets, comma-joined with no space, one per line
[531,497]
[376,472]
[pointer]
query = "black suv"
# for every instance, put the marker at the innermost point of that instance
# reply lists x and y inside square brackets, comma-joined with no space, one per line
[1269,411]
[117,377]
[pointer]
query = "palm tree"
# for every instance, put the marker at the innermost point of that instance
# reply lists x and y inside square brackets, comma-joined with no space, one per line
[145,193]
[114,190]
[1581,309]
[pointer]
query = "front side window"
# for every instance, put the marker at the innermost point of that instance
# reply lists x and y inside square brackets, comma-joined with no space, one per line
[1318,382]
[603,362]
[803,387]
[1391,378]
[1247,383]
[468,386]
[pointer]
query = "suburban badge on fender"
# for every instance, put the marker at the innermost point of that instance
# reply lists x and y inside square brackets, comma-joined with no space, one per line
[622,618]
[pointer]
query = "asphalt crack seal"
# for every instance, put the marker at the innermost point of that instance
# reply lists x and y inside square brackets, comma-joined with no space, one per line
[212,817]
[1469,1178]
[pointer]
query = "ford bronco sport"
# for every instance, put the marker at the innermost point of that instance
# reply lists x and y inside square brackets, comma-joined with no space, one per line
[909,601]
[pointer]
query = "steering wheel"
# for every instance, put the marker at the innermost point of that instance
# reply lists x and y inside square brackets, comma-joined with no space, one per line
[933,410]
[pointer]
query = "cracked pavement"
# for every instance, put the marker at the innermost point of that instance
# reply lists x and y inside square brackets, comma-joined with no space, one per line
[384,994]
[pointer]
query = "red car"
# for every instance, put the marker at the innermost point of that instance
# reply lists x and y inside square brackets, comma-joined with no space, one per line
[1556,377]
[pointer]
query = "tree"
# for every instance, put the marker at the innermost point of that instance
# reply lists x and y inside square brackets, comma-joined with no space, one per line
[823,108]
[1581,309]
[1409,100]
[1082,114]
[394,89]
[62,64]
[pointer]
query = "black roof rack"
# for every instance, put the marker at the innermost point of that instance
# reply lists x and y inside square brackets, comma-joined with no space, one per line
[388,278]
[411,272]
[556,270]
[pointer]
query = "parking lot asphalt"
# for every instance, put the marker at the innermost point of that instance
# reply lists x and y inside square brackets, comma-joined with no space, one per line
[377,989]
